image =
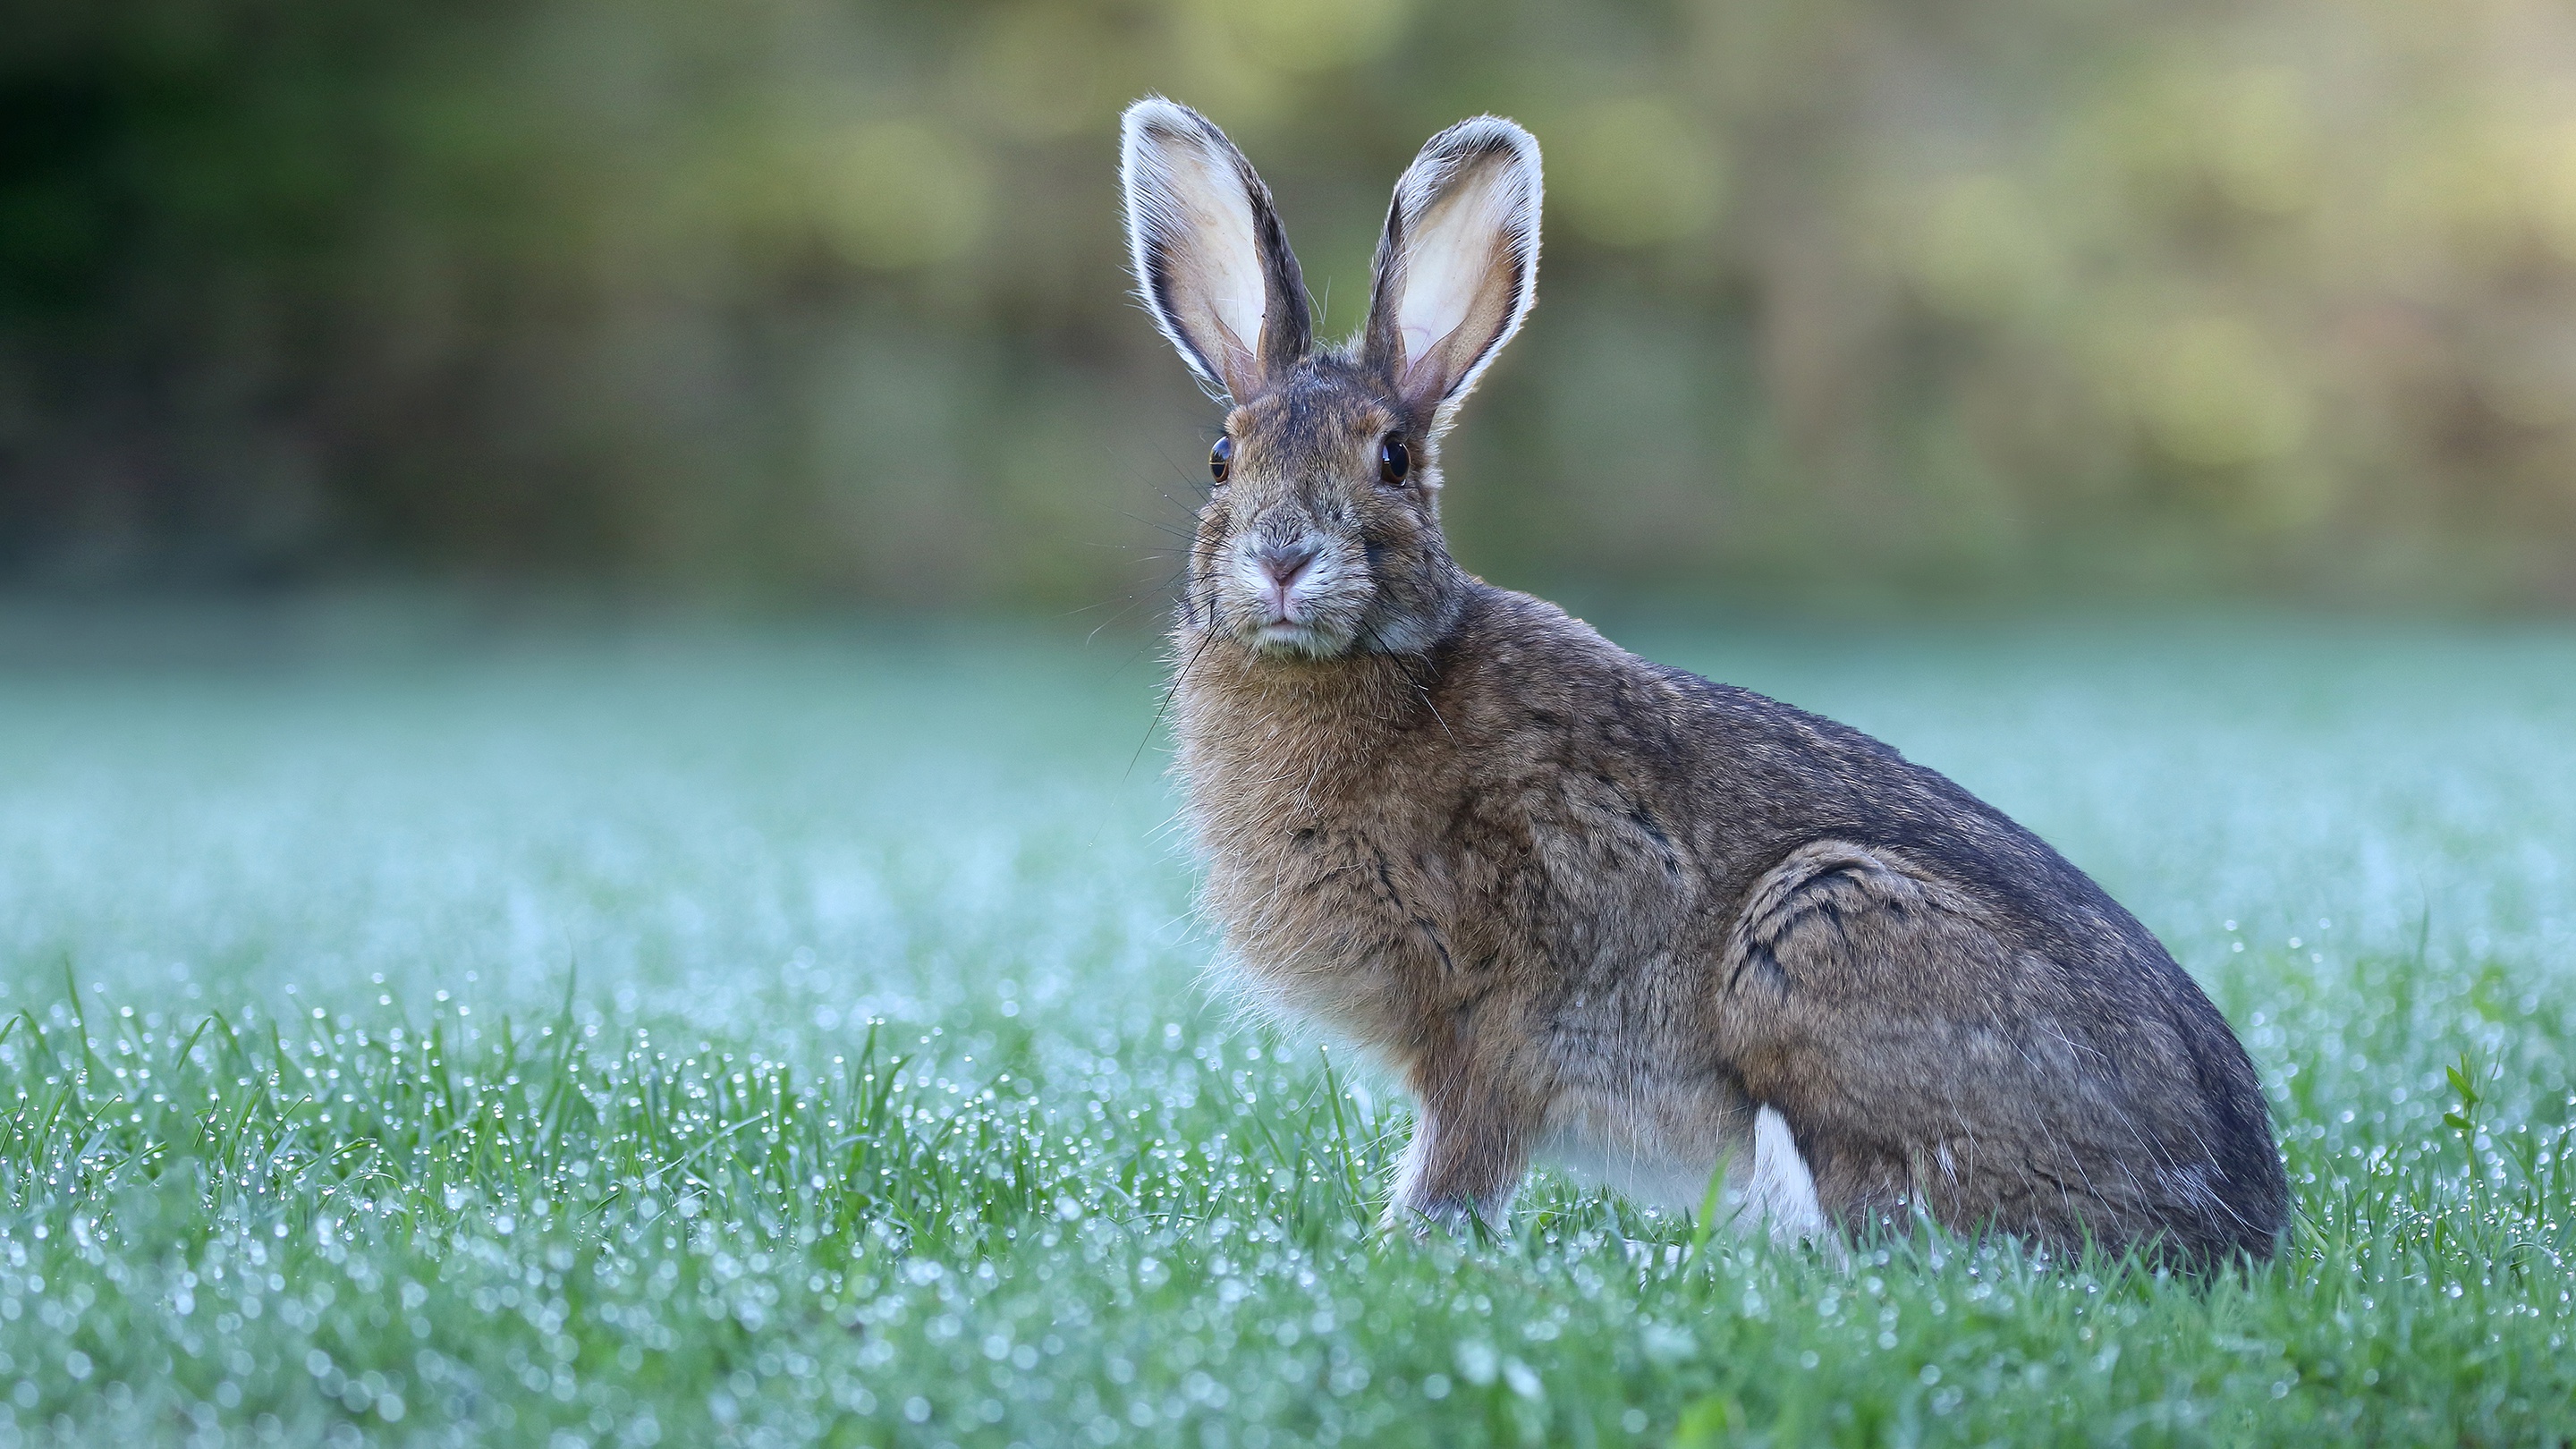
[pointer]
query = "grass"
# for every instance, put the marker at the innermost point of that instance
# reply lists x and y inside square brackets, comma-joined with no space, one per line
[713,1040]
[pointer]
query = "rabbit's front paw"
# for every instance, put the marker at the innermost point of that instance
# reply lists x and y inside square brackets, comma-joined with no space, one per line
[1459,1217]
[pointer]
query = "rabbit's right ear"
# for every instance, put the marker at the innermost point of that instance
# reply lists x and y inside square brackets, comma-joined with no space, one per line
[1210,256]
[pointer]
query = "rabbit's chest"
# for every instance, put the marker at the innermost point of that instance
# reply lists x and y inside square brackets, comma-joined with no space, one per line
[1372,878]
[1363,924]
[1372,918]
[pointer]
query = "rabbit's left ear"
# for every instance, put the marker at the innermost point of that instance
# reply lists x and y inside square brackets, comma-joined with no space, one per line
[1458,267]
[1210,255]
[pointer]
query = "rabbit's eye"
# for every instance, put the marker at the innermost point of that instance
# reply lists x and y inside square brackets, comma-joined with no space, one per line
[1394,461]
[1221,459]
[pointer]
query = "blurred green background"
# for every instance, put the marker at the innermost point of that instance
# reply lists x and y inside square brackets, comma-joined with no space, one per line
[823,301]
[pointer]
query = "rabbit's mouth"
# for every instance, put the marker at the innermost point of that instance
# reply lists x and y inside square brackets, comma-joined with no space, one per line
[1300,634]
[1284,636]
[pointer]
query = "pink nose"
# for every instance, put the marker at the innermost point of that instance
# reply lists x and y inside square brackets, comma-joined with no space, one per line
[1283,564]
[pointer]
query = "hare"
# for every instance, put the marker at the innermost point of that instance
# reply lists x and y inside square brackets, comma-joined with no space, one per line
[1591,909]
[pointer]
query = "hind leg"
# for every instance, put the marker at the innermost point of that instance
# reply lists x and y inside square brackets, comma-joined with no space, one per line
[1924,1064]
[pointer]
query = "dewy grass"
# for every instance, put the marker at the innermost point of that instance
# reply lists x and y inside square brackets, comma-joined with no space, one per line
[802,1043]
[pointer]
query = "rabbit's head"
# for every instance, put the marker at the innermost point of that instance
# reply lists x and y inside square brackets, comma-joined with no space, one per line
[1322,534]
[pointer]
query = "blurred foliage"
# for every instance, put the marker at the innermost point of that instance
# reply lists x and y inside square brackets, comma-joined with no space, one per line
[1843,298]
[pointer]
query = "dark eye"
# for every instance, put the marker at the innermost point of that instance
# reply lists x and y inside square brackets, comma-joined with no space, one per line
[1394,461]
[1221,459]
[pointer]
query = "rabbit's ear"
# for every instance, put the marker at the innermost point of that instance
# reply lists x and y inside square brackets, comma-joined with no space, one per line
[1210,257]
[1458,267]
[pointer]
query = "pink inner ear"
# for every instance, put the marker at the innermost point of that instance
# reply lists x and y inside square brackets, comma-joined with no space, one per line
[1240,365]
[1422,377]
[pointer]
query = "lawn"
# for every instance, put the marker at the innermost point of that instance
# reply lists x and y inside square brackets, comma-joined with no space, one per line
[420,1034]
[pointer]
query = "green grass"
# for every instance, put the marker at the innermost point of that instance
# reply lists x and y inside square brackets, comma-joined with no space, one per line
[710,1040]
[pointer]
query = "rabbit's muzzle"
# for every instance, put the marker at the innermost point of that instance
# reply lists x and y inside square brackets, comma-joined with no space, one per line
[1300,591]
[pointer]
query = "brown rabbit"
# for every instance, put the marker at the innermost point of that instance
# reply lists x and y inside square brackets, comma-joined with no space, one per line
[1590,908]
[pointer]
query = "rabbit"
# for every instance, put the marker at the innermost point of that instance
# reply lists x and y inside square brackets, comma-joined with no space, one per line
[1593,910]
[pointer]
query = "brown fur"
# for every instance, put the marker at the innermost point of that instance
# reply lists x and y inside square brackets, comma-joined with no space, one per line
[1592,907]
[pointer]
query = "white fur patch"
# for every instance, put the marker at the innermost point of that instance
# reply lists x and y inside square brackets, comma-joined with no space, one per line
[1780,1189]
[1643,1171]
[1666,1161]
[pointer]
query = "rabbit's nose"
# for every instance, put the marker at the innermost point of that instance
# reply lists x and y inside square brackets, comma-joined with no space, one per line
[1284,563]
